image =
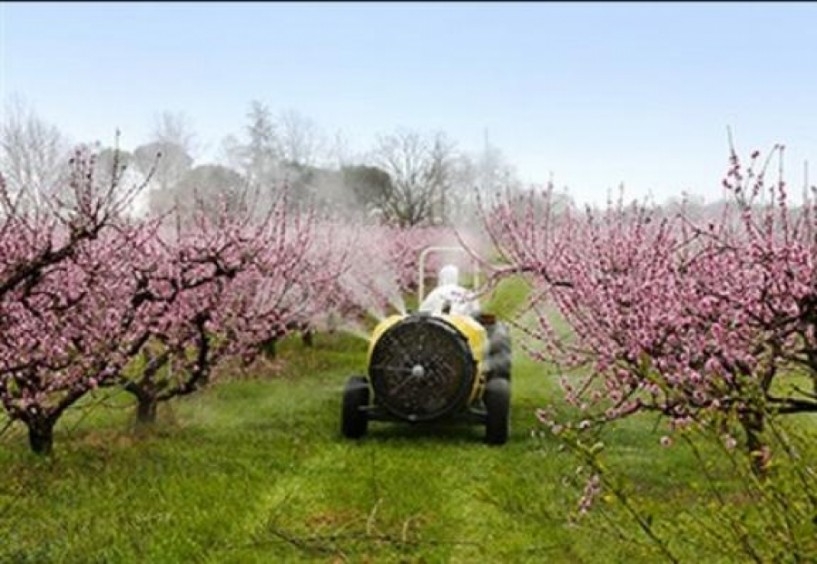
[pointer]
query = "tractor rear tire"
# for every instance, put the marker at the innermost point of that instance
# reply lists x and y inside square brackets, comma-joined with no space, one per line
[497,398]
[355,395]
[499,352]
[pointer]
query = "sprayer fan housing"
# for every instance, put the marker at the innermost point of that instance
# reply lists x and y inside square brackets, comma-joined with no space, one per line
[422,368]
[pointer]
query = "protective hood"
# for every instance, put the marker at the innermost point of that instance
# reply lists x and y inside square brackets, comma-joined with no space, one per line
[449,275]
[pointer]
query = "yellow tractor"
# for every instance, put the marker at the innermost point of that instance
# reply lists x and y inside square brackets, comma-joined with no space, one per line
[441,364]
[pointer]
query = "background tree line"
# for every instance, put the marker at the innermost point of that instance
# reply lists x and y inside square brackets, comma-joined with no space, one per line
[407,178]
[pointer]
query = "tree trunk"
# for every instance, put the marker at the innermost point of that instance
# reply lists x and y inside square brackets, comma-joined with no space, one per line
[307,337]
[41,436]
[752,423]
[268,349]
[146,409]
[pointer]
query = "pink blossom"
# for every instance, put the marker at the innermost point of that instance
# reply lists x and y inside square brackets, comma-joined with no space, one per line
[683,306]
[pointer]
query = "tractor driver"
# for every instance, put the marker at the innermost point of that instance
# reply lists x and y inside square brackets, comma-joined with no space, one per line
[449,296]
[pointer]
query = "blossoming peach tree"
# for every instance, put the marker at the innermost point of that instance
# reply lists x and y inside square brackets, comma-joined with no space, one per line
[60,319]
[692,316]
[90,297]
[226,288]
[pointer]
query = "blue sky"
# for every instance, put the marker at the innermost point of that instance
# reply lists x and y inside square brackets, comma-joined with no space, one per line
[594,93]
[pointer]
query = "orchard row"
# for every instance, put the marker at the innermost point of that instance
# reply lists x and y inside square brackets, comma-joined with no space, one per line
[90,297]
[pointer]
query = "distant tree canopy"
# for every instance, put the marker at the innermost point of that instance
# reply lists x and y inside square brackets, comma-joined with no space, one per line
[405,178]
[109,159]
[420,168]
[353,191]
[214,185]
[171,162]
[370,186]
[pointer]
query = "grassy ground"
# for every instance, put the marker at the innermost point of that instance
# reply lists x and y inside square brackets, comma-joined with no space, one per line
[255,470]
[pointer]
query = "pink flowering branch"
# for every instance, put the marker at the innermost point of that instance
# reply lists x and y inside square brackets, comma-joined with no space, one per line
[681,315]
[228,286]
[56,267]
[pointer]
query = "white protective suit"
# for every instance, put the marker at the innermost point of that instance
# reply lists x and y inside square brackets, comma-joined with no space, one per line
[449,291]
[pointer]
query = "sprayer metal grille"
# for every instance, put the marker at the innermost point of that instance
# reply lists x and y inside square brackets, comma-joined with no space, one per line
[422,368]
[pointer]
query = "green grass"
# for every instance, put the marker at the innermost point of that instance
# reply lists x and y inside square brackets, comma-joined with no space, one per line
[255,470]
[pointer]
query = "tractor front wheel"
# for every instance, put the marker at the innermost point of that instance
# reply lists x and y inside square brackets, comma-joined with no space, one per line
[498,407]
[355,396]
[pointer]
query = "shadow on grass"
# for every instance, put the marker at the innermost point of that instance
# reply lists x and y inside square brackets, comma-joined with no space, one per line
[440,433]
